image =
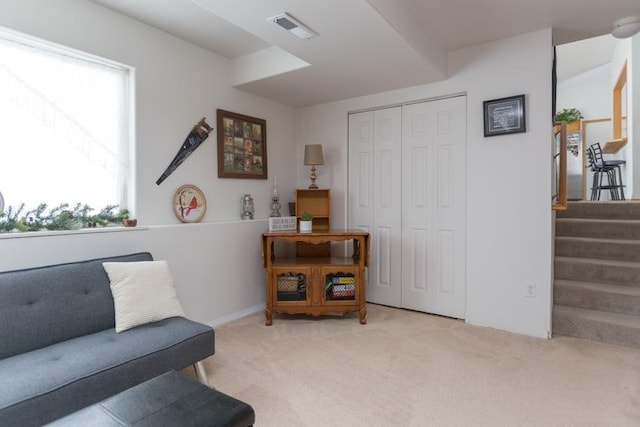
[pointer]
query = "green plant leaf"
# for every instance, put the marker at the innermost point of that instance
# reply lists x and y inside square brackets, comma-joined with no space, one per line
[568,115]
[60,217]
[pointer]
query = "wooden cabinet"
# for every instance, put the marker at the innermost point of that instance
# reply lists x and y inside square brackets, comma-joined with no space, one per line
[317,203]
[315,285]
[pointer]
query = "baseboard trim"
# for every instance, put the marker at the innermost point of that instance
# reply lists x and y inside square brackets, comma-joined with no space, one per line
[236,315]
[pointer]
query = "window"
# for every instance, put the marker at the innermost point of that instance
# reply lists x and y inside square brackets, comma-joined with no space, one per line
[65,121]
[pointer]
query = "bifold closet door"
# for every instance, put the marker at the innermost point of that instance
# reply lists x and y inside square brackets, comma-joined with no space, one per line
[433,206]
[375,197]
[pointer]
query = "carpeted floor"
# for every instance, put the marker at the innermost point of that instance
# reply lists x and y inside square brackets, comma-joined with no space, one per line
[412,369]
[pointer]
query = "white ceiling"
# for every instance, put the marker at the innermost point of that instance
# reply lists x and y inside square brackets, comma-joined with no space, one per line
[583,55]
[364,46]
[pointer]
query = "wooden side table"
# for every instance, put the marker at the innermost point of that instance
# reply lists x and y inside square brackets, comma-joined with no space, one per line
[316,285]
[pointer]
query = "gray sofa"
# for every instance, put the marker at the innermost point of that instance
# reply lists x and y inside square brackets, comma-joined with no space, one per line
[59,351]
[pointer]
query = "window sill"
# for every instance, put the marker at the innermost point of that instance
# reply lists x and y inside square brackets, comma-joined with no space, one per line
[118,229]
[29,234]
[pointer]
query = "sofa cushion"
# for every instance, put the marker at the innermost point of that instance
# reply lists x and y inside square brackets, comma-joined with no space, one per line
[48,383]
[143,292]
[45,305]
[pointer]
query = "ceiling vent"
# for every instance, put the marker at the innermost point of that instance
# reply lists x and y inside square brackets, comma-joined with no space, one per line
[294,26]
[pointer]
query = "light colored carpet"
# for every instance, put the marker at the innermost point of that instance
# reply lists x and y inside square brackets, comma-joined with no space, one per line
[412,369]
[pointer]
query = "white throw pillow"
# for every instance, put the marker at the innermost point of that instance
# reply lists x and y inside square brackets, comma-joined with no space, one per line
[143,292]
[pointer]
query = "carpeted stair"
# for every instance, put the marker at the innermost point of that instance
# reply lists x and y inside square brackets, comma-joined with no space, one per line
[597,272]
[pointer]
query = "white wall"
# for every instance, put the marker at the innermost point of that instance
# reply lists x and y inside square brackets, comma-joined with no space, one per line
[218,262]
[621,54]
[509,218]
[217,267]
[633,105]
[629,50]
[176,85]
[589,92]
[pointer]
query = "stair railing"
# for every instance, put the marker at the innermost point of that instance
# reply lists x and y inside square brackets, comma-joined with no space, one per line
[559,198]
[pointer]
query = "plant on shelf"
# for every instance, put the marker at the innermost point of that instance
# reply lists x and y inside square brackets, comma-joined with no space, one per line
[568,115]
[61,217]
[306,225]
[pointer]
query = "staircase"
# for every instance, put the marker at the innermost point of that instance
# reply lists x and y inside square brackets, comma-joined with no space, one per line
[597,272]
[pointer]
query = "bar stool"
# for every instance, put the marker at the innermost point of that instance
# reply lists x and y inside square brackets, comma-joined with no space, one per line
[599,173]
[599,161]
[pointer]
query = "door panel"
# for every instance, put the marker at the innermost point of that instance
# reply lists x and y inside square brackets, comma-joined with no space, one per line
[434,159]
[383,249]
[374,199]
[418,234]
[416,277]
[360,205]
[360,169]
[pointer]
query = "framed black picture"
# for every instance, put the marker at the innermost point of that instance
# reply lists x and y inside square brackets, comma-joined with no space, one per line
[242,146]
[504,116]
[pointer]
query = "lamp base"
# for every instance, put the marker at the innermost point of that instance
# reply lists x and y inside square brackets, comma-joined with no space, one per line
[313,185]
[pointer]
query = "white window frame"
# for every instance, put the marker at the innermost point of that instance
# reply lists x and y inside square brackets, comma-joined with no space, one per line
[127,187]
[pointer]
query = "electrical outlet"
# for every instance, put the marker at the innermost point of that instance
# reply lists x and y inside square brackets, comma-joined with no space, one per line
[530,290]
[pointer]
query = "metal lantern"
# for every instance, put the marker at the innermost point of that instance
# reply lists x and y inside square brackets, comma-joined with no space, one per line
[275,206]
[275,200]
[247,207]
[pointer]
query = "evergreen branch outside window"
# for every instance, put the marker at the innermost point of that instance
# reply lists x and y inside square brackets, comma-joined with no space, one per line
[61,217]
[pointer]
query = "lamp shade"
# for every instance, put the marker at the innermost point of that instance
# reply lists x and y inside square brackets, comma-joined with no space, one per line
[626,27]
[313,154]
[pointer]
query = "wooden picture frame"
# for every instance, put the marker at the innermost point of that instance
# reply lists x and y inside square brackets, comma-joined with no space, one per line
[242,146]
[504,116]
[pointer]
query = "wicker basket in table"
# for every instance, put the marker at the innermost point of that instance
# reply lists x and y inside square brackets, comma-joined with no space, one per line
[287,283]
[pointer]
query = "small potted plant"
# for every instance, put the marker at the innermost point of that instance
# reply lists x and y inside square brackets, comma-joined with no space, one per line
[306,221]
[570,115]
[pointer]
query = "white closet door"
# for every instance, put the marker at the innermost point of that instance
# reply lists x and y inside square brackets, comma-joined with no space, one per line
[433,207]
[375,197]
[360,197]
